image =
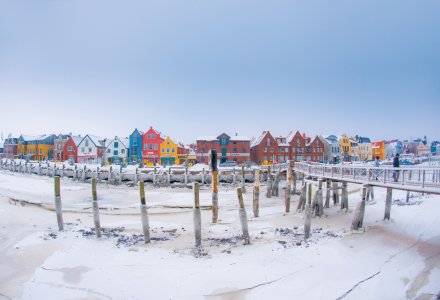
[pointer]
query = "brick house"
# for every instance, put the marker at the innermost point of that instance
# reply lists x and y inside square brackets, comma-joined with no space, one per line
[297,144]
[264,149]
[229,148]
[316,153]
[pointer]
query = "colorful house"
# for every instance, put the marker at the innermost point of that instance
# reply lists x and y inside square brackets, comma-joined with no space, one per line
[333,148]
[345,146]
[151,141]
[91,149]
[10,147]
[135,146]
[116,150]
[379,150]
[365,152]
[36,147]
[70,151]
[168,153]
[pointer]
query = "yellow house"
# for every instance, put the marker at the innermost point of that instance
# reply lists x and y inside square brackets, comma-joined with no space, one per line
[345,144]
[36,148]
[168,153]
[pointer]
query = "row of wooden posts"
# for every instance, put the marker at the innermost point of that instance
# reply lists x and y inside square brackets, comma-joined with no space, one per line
[310,206]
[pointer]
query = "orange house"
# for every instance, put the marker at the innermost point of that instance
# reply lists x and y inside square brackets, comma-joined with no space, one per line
[379,150]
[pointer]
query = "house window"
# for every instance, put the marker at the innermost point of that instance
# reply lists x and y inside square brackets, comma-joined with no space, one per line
[172,150]
[203,150]
[145,146]
[268,142]
[265,158]
[87,143]
[115,145]
[148,136]
[122,151]
[108,150]
[156,147]
[69,148]
[286,150]
[234,150]
[163,150]
[90,149]
[264,149]
[298,143]
[82,149]
[151,146]
[115,153]
[168,150]
[271,149]
[293,150]
[41,151]
[168,143]
[134,142]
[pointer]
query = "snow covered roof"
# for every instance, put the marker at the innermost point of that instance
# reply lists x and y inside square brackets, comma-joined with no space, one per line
[97,140]
[123,140]
[240,138]
[259,139]
[76,139]
[207,138]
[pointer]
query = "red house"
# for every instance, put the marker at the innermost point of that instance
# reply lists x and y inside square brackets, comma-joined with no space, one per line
[298,147]
[151,141]
[316,152]
[70,149]
[264,149]
[229,148]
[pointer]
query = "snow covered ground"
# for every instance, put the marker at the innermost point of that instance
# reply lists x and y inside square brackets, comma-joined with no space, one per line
[397,259]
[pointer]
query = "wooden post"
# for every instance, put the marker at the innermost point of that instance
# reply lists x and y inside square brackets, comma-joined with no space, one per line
[169,176]
[144,213]
[234,176]
[288,189]
[58,206]
[327,194]
[294,183]
[269,183]
[203,176]
[154,176]
[317,204]
[308,214]
[344,197]
[358,217]
[214,186]
[197,216]
[276,185]
[388,203]
[256,200]
[372,193]
[136,178]
[243,217]
[84,173]
[186,176]
[302,199]
[120,175]
[95,208]
[407,196]
[335,193]
[243,181]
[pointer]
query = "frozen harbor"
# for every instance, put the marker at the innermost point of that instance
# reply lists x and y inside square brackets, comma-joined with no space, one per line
[394,259]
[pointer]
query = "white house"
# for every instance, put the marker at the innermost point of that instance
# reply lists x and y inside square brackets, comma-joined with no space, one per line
[116,150]
[91,149]
[335,151]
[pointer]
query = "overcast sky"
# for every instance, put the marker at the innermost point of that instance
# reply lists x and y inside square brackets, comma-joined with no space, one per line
[193,68]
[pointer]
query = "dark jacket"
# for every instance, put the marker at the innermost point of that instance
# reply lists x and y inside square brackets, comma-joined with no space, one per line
[396,163]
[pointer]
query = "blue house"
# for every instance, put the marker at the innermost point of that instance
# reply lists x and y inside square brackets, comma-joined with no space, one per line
[135,146]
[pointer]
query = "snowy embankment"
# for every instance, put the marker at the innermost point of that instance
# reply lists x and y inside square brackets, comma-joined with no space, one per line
[394,259]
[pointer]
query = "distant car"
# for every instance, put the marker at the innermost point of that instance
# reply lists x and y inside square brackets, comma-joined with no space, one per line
[407,163]
[229,163]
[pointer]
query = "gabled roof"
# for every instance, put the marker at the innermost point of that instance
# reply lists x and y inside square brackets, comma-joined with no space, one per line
[122,140]
[260,138]
[140,132]
[291,135]
[76,139]
[97,140]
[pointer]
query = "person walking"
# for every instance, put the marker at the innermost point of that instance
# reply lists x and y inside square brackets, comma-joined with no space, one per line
[396,164]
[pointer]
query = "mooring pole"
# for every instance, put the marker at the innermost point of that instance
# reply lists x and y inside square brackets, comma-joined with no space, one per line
[95,207]
[256,202]
[58,206]
[214,171]
[144,213]
[197,216]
